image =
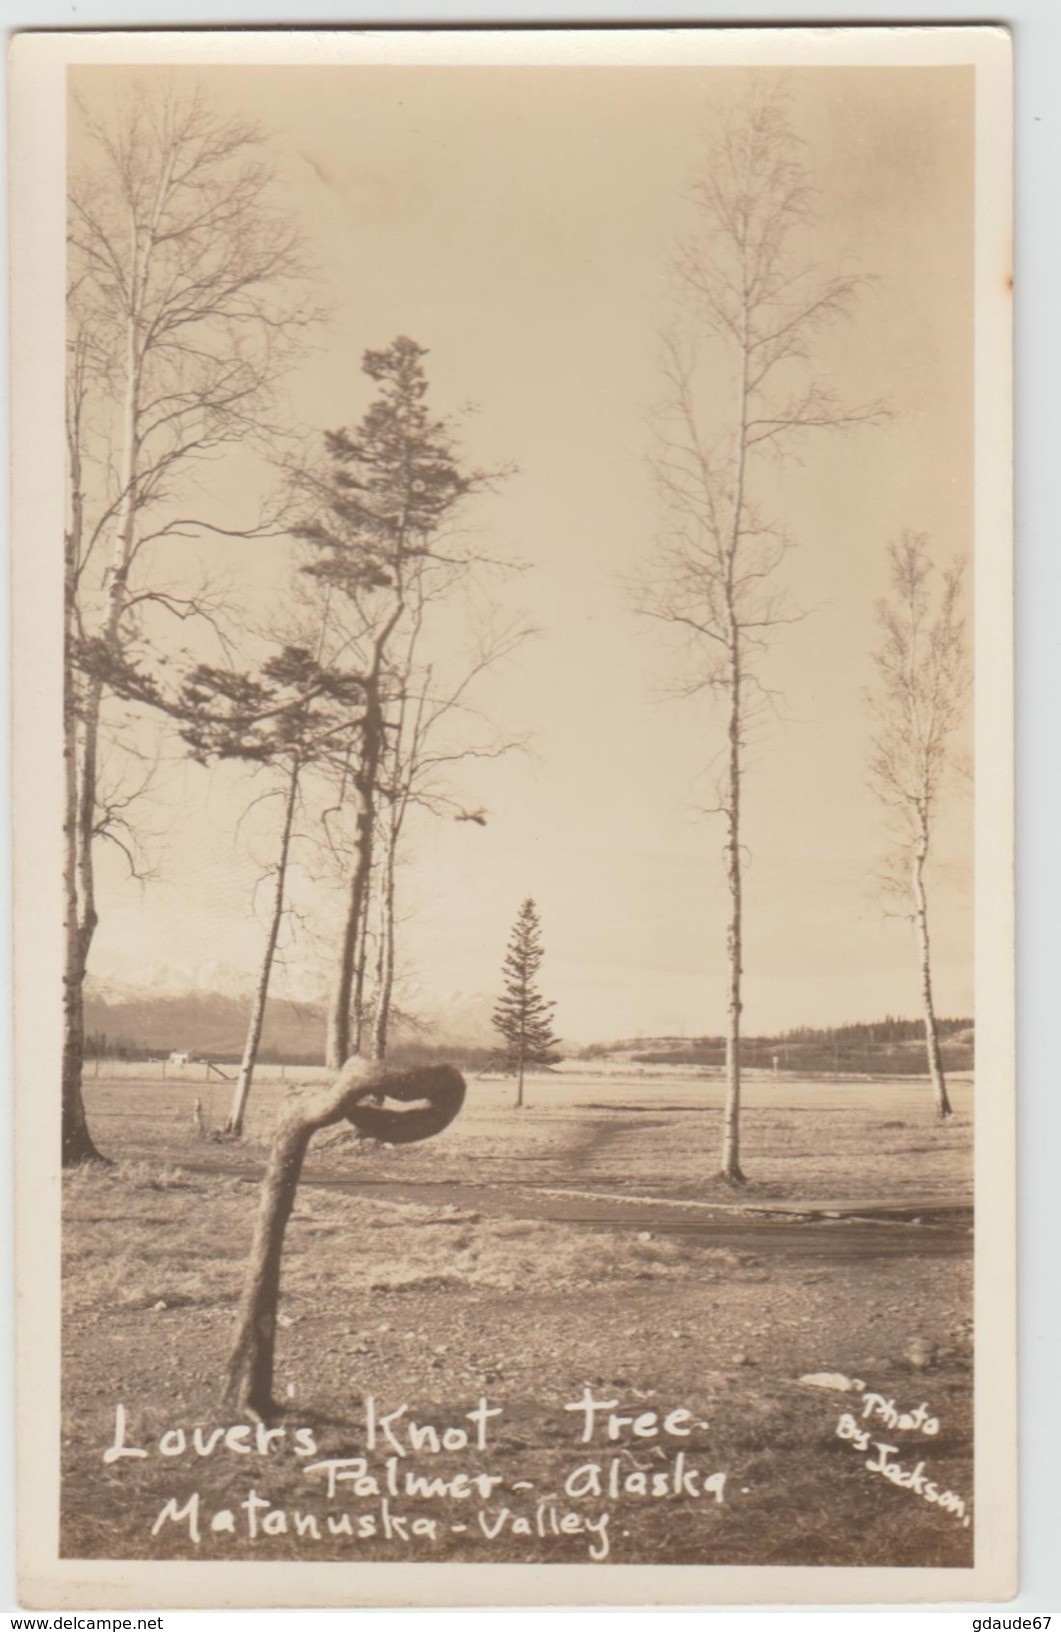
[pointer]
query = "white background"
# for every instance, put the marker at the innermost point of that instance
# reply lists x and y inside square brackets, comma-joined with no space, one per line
[1036,26]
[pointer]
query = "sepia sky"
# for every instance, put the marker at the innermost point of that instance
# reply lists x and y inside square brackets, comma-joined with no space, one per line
[519,223]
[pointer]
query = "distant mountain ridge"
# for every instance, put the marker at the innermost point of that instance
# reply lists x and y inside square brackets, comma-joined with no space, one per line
[159,1018]
[213,1024]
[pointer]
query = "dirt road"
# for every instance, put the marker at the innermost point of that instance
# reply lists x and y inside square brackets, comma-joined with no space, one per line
[929,1228]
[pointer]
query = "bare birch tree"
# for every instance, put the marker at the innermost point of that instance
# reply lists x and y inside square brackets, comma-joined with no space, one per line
[917,708]
[186,306]
[740,391]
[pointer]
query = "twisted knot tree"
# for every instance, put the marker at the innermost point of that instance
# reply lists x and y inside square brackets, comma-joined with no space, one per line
[396,1107]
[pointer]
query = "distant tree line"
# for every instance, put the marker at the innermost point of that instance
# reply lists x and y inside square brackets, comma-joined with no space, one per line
[470,1057]
[889,1030]
[98,1046]
[890,1047]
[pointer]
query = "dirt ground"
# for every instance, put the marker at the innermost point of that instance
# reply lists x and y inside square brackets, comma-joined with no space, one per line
[485,1282]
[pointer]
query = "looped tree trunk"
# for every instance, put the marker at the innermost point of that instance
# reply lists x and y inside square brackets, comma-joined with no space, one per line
[423,1102]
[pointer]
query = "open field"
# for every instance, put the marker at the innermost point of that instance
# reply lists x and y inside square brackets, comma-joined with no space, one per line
[521,1258]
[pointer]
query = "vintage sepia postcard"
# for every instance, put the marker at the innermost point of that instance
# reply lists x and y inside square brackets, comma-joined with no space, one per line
[515,1069]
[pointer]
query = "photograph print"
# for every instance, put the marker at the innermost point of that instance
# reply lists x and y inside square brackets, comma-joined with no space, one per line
[512,573]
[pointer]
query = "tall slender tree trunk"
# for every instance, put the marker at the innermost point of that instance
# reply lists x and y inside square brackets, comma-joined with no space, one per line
[337,1041]
[357,1002]
[79,915]
[935,1056]
[83,771]
[385,949]
[257,1017]
[731,1168]
[77,1142]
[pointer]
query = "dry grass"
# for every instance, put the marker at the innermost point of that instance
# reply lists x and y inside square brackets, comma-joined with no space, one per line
[436,1305]
[801,1141]
[124,1253]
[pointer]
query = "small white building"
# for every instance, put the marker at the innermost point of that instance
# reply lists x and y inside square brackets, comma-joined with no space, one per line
[178,1057]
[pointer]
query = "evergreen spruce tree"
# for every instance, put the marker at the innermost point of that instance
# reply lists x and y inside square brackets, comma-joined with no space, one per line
[522,1015]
